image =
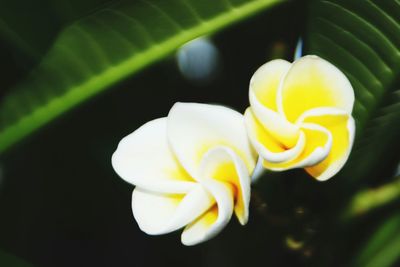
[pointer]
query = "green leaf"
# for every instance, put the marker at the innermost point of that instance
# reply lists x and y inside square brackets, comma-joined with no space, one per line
[106,47]
[370,199]
[25,31]
[362,38]
[382,249]
[12,261]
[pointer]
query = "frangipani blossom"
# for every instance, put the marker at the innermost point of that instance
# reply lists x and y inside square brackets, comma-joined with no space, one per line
[300,116]
[191,169]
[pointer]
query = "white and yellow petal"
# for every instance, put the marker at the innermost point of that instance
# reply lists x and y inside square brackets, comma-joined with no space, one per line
[263,101]
[309,125]
[268,147]
[226,177]
[318,144]
[216,218]
[224,165]
[265,82]
[161,213]
[193,129]
[143,158]
[341,125]
[191,169]
[313,82]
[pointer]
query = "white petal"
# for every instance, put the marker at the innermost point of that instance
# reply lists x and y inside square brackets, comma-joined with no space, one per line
[263,101]
[223,164]
[276,124]
[266,145]
[214,220]
[265,82]
[337,165]
[341,125]
[144,159]
[226,177]
[158,213]
[318,112]
[313,82]
[194,128]
[258,172]
[318,143]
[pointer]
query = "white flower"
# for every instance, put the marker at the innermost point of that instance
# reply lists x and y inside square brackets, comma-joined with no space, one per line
[191,169]
[300,116]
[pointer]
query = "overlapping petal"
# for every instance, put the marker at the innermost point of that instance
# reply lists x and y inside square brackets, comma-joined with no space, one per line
[341,125]
[160,213]
[267,146]
[193,129]
[191,170]
[313,82]
[215,219]
[222,164]
[300,116]
[319,144]
[263,101]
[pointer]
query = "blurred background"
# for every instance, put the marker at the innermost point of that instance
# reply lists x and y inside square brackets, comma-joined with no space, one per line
[61,203]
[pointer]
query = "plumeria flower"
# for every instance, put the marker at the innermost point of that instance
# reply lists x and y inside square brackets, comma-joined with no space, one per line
[300,116]
[191,169]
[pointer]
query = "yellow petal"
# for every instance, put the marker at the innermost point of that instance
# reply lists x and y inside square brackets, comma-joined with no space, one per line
[265,82]
[313,82]
[263,101]
[224,165]
[318,143]
[215,219]
[342,128]
[266,145]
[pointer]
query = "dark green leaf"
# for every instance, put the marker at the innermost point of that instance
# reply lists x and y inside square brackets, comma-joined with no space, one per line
[383,247]
[106,47]
[12,261]
[30,26]
[362,38]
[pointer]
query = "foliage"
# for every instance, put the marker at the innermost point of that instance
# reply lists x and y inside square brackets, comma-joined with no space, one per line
[96,52]
[383,247]
[93,46]
[362,39]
